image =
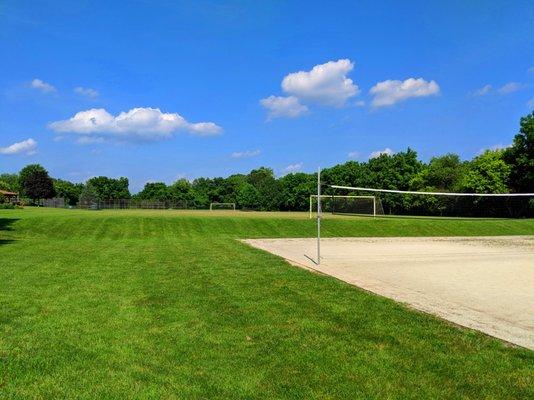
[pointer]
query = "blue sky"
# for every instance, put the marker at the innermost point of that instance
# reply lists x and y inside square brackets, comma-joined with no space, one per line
[160,90]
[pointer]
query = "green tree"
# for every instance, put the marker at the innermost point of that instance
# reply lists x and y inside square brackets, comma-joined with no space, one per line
[110,188]
[248,196]
[180,192]
[442,173]
[295,190]
[266,185]
[521,156]
[11,181]
[487,173]
[154,191]
[5,186]
[69,191]
[88,195]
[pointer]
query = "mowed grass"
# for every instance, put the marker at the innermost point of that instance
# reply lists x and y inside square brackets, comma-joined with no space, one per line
[163,304]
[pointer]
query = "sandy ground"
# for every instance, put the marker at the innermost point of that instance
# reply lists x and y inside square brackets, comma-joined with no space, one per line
[484,283]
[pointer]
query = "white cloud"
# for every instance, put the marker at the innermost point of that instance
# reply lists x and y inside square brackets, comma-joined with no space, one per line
[141,124]
[483,91]
[293,168]
[360,103]
[288,107]
[354,154]
[42,86]
[28,147]
[245,154]
[510,87]
[378,153]
[87,92]
[530,103]
[325,84]
[389,92]
[530,70]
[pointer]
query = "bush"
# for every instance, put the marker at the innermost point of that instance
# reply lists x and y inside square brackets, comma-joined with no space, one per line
[7,206]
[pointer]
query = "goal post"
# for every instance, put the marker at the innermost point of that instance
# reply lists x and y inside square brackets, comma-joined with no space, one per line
[349,204]
[222,206]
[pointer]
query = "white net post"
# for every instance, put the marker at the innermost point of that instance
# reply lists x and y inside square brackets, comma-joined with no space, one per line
[318,216]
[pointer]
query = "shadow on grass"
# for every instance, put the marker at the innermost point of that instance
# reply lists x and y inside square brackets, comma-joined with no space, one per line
[5,225]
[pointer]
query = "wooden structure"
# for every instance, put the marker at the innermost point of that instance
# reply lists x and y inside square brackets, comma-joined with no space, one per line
[11,197]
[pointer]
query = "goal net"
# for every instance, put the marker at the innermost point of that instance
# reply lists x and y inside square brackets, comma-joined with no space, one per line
[415,203]
[222,206]
[340,204]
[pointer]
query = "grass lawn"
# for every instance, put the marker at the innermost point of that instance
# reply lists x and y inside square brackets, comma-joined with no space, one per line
[164,304]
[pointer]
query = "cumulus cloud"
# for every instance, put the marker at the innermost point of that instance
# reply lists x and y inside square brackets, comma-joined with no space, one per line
[279,106]
[245,154]
[353,154]
[326,84]
[42,86]
[28,147]
[510,87]
[87,92]
[378,153]
[389,92]
[293,168]
[483,91]
[141,124]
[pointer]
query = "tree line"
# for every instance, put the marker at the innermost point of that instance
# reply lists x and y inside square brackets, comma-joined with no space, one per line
[508,170]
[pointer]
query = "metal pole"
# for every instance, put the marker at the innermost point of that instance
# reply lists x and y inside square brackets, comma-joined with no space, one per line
[318,216]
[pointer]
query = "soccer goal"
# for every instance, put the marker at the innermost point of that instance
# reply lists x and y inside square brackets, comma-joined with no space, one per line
[222,206]
[350,204]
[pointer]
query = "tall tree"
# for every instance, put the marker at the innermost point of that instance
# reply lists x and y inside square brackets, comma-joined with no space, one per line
[264,181]
[521,156]
[38,185]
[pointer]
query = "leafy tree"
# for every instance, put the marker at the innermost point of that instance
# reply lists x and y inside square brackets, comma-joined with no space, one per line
[26,172]
[5,186]
[266,185]
[38,185]
[155,191]
[89,194]
[201,191]
[180,191]
[110,188]
[487,173]
[393,172]
[442,173]
[248,196]
[521,156]
[295,190]
[11,182]
[69,191]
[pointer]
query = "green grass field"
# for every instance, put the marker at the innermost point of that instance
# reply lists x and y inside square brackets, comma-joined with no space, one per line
[163,304]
